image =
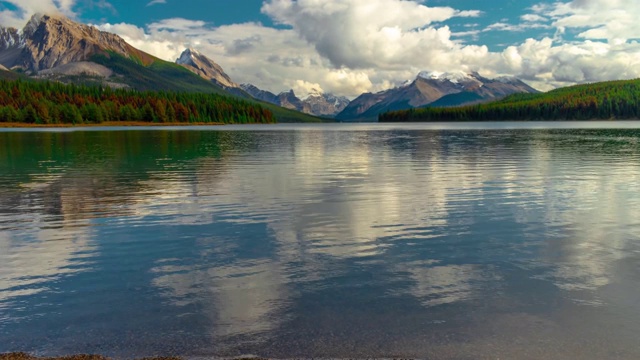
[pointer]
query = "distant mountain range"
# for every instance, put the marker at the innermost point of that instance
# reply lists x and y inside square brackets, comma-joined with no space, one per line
[611,100]
[59,49]
[317,103]
[436,90]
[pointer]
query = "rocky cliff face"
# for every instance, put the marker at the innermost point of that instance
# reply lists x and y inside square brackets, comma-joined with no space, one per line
[48,41]
[441,89]
[289,100]
[318,104]
[206,68]
[322,104]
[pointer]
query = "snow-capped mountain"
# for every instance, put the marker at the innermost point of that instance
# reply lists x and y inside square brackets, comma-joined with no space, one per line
[316,103]
[205,67]
[434,89]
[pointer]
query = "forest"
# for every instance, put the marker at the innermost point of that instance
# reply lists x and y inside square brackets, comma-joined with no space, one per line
[614,100]
[42,102]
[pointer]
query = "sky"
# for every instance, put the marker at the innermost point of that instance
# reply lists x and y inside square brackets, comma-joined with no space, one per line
[348,47]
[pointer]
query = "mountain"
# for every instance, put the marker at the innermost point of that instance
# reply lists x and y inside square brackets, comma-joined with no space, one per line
[605,101]
[59,49]
[322,104]
[259,94]
[434,89]
[47,42]
[206,68]
[317,103]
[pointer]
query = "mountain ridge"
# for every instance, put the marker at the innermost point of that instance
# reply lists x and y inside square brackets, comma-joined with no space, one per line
[206,68]
[58,49]
[429,87]
[316,103]
[49,41]
[609,100]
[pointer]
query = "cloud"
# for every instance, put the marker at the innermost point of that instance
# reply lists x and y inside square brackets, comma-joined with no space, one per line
[366,33]
[355,46]
[533,18]
[612,20]
[155,2]
[350,47]
[501,26]
[26,8]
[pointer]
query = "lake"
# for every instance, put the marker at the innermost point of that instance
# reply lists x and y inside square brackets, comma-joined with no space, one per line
[444,241]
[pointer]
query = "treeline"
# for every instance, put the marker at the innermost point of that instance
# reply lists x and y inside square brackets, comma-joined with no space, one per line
[606,100]
[38,102]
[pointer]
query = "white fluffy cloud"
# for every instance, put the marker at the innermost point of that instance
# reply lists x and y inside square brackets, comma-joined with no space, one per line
[26,8]
[612,20]
[367,33]
[353,46]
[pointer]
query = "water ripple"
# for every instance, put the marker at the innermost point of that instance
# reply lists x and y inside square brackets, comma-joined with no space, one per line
[320,241]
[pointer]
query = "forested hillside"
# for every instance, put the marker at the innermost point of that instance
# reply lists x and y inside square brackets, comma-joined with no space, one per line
[37,102]
[607,100]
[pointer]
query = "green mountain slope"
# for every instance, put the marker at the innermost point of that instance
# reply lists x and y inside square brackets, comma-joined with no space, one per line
[606,100]
[159,75]
[163,75]
[458,99]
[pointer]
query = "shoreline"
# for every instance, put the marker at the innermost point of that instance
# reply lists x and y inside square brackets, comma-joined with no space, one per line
[26,356]
[107,124]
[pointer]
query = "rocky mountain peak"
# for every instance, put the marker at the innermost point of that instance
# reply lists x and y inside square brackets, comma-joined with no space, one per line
[206,68]
[48,41]
[188,57]
[33,24]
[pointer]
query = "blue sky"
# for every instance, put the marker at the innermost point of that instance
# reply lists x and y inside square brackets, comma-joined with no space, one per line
[225,12]
[352,46]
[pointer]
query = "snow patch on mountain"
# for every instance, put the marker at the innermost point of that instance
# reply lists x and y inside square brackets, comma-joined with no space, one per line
[507,79]
[454,77]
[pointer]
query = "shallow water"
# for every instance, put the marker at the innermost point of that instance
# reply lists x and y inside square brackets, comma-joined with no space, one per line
[461,241]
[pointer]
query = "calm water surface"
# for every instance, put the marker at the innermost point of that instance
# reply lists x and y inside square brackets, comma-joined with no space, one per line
[322,241]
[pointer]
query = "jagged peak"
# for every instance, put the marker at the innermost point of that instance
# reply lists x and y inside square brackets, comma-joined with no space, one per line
[249,86]
[191,55]
[193,51]
[190,52]
[287,93]
[33,23]
[186,57]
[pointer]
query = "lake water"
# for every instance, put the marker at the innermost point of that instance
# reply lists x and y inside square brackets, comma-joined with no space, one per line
[458,241]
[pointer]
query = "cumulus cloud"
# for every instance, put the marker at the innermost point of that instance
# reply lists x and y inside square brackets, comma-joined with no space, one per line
[352,46]
[366,33]
[612,20]
[548,65]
